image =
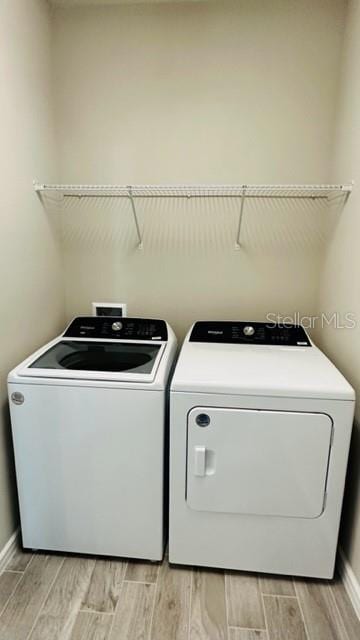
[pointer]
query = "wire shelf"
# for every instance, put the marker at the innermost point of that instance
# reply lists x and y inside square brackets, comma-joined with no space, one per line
[241,192]
[200,191]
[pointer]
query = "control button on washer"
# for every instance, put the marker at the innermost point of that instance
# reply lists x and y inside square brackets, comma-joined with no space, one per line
[116,326]
[248,330]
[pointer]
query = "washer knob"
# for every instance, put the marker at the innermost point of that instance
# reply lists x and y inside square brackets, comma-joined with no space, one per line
[116,326]
[248,331]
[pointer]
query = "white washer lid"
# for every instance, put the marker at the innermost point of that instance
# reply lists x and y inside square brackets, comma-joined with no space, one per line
[154,379]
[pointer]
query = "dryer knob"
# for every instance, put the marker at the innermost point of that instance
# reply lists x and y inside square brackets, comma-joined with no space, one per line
[248,330]
[116,326]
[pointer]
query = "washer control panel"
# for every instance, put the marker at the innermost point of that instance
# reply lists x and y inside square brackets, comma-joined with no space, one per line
[123,329]
[250,333]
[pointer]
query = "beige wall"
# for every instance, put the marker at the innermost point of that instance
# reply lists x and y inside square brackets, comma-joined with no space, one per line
[31,288]
[339,286]
[197,92]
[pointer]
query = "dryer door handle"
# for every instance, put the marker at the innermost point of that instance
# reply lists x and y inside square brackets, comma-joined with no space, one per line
[199,460]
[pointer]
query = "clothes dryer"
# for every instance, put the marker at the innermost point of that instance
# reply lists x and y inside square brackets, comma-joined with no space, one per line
[259,439]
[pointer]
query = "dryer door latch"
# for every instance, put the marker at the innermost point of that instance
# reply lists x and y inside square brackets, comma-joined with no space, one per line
[199,463]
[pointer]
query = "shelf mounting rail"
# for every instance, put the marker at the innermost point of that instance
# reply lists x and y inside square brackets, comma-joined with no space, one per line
[240,192]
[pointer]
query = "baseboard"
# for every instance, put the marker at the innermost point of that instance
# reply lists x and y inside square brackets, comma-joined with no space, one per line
[8,550]
[350,582]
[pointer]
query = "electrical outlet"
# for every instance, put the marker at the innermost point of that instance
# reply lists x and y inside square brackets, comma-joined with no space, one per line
[118,309]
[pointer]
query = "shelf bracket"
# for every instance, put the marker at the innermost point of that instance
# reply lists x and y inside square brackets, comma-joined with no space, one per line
[241,213]
[133,208]
[38,190]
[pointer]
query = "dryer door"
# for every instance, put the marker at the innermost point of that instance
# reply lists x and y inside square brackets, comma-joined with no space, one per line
[270,463]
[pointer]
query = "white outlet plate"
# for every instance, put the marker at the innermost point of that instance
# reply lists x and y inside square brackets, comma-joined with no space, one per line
[118,309]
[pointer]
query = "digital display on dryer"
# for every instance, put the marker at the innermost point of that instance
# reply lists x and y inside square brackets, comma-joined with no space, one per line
[250,333]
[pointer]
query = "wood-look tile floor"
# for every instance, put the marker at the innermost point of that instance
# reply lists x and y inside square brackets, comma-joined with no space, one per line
[55,597]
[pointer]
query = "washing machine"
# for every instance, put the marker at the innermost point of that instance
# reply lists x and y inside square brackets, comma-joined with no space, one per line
[260,426]
[89,419]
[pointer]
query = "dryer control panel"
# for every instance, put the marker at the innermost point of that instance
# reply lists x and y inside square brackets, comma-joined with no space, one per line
[109,328]
[250,333]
